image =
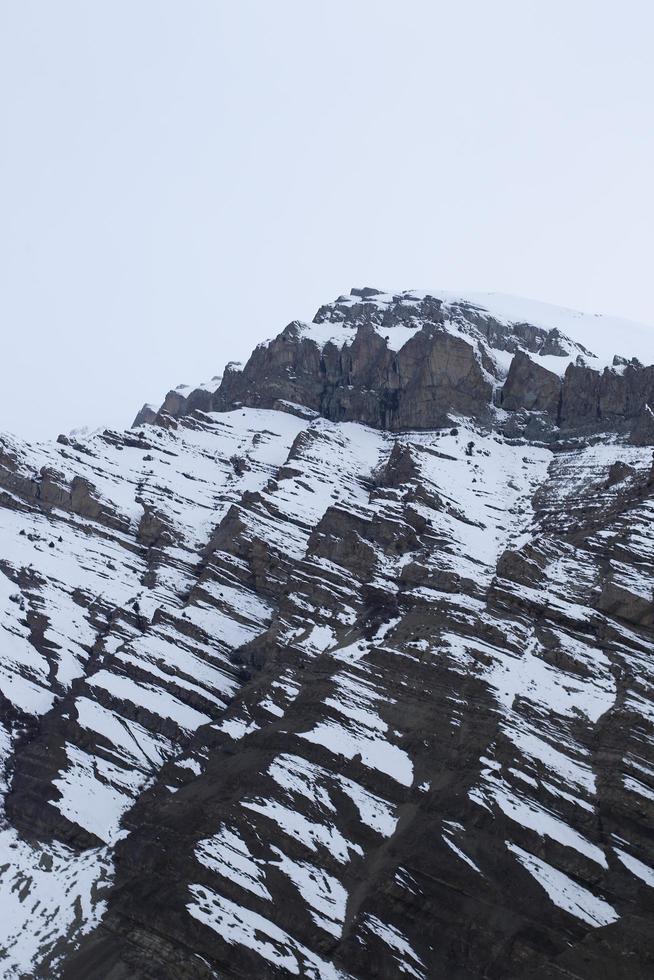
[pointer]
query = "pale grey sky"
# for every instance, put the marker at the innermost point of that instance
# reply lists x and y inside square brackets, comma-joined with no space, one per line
[180,179]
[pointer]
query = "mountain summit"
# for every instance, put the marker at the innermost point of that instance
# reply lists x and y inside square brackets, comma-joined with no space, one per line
[413,360]
[341,665]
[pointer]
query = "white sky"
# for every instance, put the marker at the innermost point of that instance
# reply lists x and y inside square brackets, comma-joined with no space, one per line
[178,180]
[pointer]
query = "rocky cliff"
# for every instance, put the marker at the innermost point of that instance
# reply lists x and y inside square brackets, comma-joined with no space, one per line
[340,666]
[413,360]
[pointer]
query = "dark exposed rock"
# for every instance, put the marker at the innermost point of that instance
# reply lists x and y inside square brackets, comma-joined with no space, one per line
[400,468]
[145,416]
[590,397]
[642,428]
[625,603]
[153,530]
[618,472]
[435,373]
[530,386]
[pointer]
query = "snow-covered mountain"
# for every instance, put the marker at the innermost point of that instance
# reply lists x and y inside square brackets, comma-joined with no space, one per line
[341,665]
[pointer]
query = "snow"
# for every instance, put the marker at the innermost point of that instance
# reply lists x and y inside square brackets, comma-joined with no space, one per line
[408,961]
[271,708]
[149,697]
[24,693]
[237,924]
[377,753]
[88,797]
[570,770]
[335,333]
[531,815]
[531,677]
[376,813]
[638,868]
[227,855]
[133,744]
[192,764]
[320,890]
[33,883]
[601,334]
[566,893]
[301,828]
[296,775]
[461,854]
[236,727]
[636,786]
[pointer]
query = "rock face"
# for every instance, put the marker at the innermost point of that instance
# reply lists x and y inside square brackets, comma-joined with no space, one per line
[589,396]
[530,386]
[433,375]
[415,361]
[343,669]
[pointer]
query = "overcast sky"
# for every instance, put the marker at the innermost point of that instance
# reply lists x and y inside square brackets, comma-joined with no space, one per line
[180,179]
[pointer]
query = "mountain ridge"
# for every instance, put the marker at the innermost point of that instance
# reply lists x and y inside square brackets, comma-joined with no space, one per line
[342,669]
[378,342]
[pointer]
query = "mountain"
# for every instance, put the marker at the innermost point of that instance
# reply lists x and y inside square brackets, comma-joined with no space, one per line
[341,665]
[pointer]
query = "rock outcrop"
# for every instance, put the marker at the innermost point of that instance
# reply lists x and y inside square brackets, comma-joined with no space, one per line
[415,361]
[532,387]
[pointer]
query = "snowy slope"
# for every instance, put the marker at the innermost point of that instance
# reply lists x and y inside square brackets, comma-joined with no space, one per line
[602,335]
[283,695]
[599,333]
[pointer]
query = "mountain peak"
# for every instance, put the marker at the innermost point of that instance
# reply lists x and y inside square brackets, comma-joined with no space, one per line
[418,359]
[338,667]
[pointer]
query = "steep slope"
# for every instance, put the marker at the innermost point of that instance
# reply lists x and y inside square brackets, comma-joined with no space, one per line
[345,671]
